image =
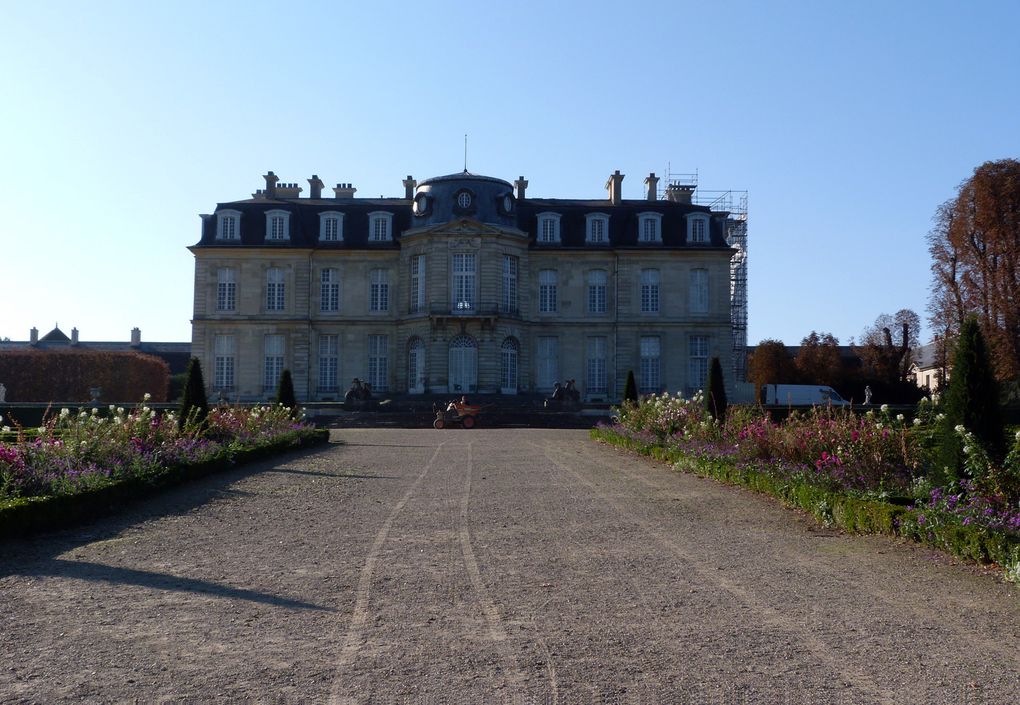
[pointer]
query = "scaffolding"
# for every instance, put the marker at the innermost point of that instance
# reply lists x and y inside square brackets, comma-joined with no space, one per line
[734,205]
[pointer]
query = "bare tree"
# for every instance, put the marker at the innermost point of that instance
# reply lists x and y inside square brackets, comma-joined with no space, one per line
[883,358]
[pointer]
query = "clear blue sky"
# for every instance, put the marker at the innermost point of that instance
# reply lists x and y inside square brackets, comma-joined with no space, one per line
[848,123]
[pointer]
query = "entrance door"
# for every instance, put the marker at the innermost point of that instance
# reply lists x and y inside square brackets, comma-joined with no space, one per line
[463,364]
[416,366]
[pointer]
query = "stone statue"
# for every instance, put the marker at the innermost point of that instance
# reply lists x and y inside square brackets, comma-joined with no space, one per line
[867,395]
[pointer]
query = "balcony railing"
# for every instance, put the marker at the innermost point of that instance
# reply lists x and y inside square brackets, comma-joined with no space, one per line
[470,310]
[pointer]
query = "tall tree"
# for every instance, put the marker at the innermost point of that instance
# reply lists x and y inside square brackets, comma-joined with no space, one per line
[818,361]
[715,399]
[975,249]
[194,404]
[770,364]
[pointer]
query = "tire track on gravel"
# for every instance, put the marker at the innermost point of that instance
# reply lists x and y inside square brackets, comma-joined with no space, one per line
[511,668]
[768,614]
[354,638]
[894,601]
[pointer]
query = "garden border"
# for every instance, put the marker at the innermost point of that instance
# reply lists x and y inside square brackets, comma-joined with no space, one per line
[852,514]
[26,516]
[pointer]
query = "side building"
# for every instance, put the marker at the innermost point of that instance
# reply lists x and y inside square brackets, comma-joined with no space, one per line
[466,285]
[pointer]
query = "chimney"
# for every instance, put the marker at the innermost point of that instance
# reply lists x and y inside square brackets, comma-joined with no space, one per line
[613,185]
[33,335]
[315,187]
[74,336]
[409,185]
[288,190]
[652,183]
[344,191]
[522,186]
[679,193]
[136,337]
[271,180]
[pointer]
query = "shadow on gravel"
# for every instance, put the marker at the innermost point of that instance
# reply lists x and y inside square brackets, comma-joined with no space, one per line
[342,476]
[98,572]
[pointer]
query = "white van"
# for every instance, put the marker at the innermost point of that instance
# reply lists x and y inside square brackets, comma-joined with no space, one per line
[801,395]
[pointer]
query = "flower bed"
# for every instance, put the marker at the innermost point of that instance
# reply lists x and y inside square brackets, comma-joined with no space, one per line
[82,464]
[865,473]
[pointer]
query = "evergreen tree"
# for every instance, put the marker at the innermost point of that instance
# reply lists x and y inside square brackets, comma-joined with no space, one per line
[630,390]
[194,405]
[285,391]
[972,401]
[715,396]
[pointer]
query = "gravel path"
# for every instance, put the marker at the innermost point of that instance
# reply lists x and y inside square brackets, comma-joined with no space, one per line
[490,566]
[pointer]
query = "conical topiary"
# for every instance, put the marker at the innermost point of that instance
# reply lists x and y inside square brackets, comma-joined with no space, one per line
[715,394]
[285,391]
[194,404]
[972,401]
[630,389]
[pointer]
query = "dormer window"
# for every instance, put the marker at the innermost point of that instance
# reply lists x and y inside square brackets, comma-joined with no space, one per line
[697,229]
[597,228]
[380,226]
[331,226]
[228,225]
[277,225]
[548,227]
[650,227]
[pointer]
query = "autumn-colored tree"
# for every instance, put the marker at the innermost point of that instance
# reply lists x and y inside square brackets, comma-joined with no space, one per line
[770,363]
[818,361]
[886,346]
[975,249]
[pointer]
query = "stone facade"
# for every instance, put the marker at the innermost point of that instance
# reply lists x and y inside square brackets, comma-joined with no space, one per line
[461,287]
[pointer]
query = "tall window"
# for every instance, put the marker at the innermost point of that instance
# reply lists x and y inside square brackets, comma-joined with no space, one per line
[509,303]
[649,291]
[548,362]
[331,226]
[273,367]
[329,291]
[226,289]
[276,291]
[329,362]
[378,362]
[379,229]
[697,362]
[224,351]
[277,225]
[650,355]
[380,290]
[227,225]
[548,227]
[597,383]
[508,366]
[597,279]
[415,365]
[698,293]
[547,291]
[650,227]
[598,228]
[464,282]
[417,288]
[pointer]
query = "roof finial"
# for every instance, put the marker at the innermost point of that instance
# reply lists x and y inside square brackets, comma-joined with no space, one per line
[465,153]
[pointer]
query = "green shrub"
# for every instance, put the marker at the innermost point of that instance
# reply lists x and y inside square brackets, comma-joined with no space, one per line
[715,398]
[630,390]
[194,404]
[972,401]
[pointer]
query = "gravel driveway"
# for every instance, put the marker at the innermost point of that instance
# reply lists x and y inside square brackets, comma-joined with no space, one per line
[490,566]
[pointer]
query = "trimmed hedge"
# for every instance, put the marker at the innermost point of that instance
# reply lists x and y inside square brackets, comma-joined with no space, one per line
[853,514]
[25,516]
[68,375]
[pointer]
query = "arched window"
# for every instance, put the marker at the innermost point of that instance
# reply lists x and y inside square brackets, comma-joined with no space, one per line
[463,366]
[508,352]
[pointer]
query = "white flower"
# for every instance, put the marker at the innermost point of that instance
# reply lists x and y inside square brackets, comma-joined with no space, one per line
[1,418]
[917,422]
[959,428]
[42,429]
[117,420]
[884,408]
[112,408]
[939,417]
[94,411]
[146,397]
[6,429]
[64,413]
[1018,435]
[899,417]
[966,450]
[120,409]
